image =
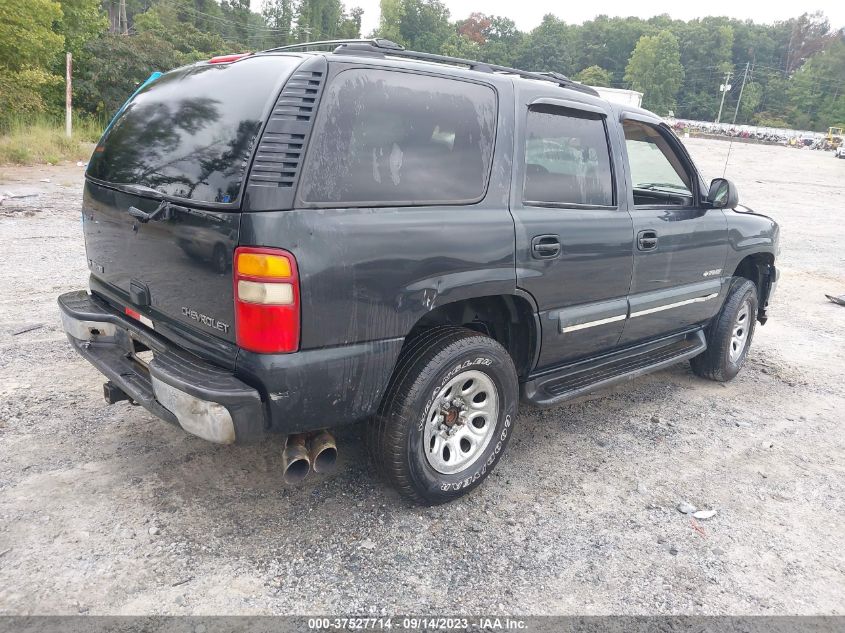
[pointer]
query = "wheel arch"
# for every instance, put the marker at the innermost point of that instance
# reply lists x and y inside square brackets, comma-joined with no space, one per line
[759,268]
[510,319]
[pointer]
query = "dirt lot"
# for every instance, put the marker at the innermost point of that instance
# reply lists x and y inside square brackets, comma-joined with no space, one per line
[107,510]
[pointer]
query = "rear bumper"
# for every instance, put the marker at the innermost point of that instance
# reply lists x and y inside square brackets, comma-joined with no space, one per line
[176,386]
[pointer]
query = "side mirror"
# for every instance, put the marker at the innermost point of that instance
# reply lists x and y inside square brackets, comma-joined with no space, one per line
[722,194]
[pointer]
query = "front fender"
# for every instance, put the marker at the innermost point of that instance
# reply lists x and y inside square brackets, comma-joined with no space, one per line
[750,233]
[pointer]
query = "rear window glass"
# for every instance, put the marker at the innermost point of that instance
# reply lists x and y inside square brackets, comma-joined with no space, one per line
[190,133]
[566,158]
[386,137]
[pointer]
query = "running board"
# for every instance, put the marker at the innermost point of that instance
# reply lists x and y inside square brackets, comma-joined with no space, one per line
[569,381]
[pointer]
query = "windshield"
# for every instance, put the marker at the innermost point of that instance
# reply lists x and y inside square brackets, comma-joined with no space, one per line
[190,133]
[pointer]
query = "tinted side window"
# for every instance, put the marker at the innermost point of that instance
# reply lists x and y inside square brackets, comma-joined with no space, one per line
[566,158]
[654,164]
[386,137]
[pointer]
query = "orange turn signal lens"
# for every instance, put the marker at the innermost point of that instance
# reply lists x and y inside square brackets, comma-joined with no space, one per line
[263,265]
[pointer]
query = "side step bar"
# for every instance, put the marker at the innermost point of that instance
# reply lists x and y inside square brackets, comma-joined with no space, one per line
[569,381]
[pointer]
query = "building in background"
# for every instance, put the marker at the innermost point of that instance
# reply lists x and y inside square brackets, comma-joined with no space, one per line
[620,95]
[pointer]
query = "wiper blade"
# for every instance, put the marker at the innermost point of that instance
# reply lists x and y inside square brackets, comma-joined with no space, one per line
[144,217]
[660,185]
[141,190]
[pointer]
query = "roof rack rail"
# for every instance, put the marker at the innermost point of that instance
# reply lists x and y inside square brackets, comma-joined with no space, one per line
[386,47]
[376,43]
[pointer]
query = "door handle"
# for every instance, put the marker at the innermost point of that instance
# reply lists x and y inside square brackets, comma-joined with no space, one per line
[647,240]
[545,247]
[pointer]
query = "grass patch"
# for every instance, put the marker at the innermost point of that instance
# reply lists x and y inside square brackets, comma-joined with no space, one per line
[27,142]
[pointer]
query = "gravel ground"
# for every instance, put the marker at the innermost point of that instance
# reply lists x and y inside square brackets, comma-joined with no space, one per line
[108,510]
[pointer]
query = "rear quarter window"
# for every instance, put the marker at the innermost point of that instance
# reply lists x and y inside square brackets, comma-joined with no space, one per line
[386,137]
[190,133]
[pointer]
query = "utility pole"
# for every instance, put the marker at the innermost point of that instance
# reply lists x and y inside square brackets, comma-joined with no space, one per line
[68,96]
[724,88]
[741,88]
[122,19]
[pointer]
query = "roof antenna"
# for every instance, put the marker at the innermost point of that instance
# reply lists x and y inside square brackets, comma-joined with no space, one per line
[736,112]
[728,157]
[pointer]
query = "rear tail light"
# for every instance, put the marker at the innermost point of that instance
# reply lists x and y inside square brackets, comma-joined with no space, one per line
[266,300]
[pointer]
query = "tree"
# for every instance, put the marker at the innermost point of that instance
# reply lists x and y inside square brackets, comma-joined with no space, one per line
[425,24]
[816,90]
[751,98]
[27,39]
[594,76]
[319,19]
[81,21]
[278,15]
[608,42]
[475,27]
[168,23]
[458,45]
[28,49]
[350,25]
[116,65]
[655,70]
[390,20]
[810,34]
[237,13]
[549,47]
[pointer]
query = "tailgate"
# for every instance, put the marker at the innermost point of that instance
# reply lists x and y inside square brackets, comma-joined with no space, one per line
[161,208]
[176,266]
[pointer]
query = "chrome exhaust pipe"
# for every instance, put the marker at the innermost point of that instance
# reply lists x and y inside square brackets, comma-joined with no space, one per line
[323,452]
[295,461]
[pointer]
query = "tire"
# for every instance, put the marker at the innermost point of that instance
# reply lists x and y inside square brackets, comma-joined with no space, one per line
[429,442]
[729,334]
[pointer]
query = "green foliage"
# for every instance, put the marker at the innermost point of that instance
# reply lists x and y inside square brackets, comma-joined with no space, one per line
[461,46]
[390,20]
[42,140]
[593,76]
[27,39]
[549,47]
[608,42]
[425,24]
[816,95]
[81,21]
[655,70]
[164,21]
[278,16]
[768,119]
[22,93]
[751,98]
[795,78]
[326,20]
[118,64]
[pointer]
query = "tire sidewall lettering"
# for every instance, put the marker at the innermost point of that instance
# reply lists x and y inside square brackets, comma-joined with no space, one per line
[482,471]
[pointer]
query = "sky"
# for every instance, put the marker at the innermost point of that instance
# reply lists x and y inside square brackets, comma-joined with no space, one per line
[528,13]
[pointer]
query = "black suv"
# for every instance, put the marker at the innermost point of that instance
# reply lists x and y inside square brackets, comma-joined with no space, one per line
[292,240]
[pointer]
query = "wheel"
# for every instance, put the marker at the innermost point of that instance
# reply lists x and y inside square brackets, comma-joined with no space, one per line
[729,334]
[447,415]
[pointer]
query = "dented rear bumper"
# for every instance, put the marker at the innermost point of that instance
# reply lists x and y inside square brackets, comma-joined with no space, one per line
[176,386]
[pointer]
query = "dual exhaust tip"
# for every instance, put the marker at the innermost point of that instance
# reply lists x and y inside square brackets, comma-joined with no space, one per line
[304,453]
